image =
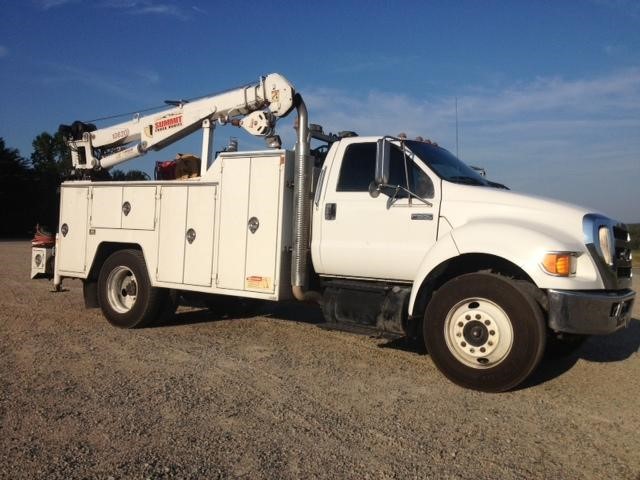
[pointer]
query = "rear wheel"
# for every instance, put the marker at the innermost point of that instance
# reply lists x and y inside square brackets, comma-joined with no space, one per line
[125,294]
[483,332]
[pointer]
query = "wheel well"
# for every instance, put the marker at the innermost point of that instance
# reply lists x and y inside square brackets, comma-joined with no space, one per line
[90,284]
[460,265]
[102,253]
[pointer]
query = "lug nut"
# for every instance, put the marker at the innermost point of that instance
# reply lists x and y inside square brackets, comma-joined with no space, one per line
[487,322]
[468,317]
[463,344]
[482,349]
[492,332]
[460,324]
[478,316]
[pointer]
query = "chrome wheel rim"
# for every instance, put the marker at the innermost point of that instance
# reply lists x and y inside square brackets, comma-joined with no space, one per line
[478,333]
[122,289]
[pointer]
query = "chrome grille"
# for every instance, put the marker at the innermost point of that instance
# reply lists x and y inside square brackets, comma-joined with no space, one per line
[615,274]
[622,260]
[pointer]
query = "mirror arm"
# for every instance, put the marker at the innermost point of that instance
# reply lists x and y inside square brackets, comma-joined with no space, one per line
[397,188]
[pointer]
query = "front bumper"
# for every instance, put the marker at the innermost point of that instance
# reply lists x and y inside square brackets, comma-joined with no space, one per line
[589,312]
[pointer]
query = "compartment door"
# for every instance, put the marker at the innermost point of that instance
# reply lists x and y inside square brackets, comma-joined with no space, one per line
[72,246]
[234,203]
[171,233]
[198,250]
[262,239]
[106,207]
[141,207]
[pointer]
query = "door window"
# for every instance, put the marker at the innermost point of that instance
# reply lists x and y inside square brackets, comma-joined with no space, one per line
[358,171]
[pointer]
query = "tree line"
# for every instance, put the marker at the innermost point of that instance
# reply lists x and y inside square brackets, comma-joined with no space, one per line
[30,188]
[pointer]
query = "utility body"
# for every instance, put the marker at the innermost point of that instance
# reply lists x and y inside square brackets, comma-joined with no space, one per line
[395,234]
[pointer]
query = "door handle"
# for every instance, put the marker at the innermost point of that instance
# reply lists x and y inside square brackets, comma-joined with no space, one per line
[421,216]
[330,211]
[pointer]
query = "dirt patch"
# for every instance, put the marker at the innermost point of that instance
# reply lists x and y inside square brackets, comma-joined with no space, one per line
[277,396]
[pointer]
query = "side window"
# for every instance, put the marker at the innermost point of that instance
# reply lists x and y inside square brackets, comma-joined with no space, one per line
[422,184]
[358,168]
[358,171]
[397,171]
[410,177]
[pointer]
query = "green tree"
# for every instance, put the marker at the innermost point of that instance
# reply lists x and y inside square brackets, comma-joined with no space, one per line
[51,162]
[130,176]
[51,154]
[16,192]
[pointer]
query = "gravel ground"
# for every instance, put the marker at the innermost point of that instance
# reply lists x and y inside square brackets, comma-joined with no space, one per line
[276,396]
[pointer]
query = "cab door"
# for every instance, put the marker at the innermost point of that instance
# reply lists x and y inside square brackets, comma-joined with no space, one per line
[379,238]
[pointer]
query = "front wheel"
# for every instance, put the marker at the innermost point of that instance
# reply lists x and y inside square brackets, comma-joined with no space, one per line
[483,332]
[125,294]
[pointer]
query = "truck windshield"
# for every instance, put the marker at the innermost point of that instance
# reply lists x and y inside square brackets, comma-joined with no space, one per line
[446,165]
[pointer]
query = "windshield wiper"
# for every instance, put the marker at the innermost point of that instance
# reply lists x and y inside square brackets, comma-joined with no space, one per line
[466,180]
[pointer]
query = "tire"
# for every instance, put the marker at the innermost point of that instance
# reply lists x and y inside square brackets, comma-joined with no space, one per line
[483,332]
[125,294]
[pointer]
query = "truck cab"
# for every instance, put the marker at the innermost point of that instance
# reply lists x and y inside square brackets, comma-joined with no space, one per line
[404,222]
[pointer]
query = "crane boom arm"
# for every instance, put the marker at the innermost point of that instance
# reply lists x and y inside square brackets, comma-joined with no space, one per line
[106,147]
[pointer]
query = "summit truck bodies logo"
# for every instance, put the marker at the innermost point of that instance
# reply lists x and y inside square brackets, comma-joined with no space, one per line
[168,121]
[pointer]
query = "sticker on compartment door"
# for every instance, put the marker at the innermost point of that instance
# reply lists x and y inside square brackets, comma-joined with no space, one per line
[255,282]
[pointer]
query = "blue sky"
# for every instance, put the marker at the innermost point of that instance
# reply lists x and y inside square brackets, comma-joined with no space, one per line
[548,92]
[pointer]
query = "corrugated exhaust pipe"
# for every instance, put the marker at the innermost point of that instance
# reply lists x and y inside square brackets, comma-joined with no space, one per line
[302,208]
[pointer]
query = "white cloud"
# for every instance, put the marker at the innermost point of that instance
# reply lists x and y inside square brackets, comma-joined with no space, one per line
[149,7]
[4,51]
[133,7]
[552,136]
[149,76]
[48,4]
[121,87]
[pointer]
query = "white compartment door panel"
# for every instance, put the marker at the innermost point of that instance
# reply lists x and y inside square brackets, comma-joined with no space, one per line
[171,236]
[234,202]
[106,207]
[74,212]
[198,259]
[141,207]
[262,239]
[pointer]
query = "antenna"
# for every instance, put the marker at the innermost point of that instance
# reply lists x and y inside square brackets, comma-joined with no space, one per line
[457,155]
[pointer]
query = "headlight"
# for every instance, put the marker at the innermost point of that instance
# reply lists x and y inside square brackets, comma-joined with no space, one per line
[607,245]
[560,264]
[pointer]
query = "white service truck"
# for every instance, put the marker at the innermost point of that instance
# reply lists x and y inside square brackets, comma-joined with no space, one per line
[391,233]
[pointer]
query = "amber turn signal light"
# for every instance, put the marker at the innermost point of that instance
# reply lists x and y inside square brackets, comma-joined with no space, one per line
[561,264]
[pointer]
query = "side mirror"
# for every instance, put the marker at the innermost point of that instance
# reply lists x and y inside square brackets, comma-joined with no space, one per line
[383,154]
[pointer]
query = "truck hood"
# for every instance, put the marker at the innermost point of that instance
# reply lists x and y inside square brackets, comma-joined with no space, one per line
[462,204]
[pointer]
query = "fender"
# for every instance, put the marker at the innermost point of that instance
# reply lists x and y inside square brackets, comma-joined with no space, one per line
[520,243]
[444,249]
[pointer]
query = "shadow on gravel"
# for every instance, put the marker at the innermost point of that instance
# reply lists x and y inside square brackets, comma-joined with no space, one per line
[191,317]
[283,311]
[616,347]
[293,311]
[613,348]
[601,349]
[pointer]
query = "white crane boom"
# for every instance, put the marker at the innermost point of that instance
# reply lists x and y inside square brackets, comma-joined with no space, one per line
[93,148]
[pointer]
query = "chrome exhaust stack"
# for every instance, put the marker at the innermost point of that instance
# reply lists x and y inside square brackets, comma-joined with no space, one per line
[302,208]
